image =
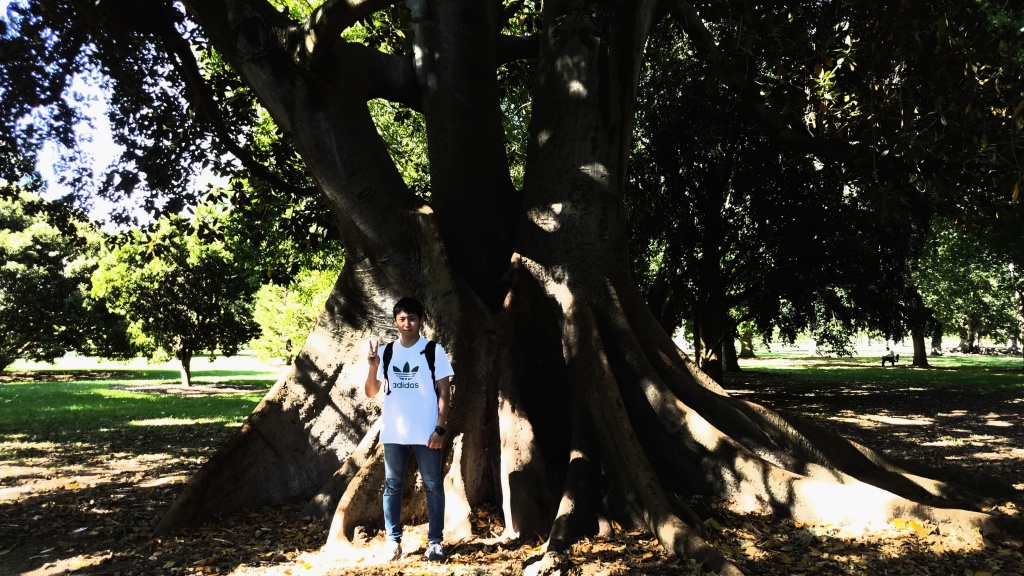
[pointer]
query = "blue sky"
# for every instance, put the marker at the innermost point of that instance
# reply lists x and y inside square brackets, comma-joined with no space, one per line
[95,144]
[94,137]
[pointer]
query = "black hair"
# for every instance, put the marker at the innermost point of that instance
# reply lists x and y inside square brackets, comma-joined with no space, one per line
[409,306]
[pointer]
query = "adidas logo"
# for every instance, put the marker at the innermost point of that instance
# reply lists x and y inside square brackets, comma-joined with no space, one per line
[404,376]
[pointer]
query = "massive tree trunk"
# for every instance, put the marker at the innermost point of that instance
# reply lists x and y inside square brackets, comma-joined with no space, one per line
[541,315]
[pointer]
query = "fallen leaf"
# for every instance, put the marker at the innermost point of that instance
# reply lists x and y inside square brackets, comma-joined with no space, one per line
[918,528]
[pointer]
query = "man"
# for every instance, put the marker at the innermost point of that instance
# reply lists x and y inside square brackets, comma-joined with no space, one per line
[415,412]
[890,357]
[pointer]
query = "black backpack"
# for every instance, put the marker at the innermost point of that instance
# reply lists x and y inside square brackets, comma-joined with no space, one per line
[428,351]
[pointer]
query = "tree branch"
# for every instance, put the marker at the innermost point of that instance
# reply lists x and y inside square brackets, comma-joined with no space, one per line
[331,18]
[510,10]
[734,75]
[207,106]
[511,48]
[388,76]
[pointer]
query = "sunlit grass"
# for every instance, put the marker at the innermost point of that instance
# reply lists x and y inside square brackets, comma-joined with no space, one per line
[944,371]
[69,407]
[177,421]
[74,403]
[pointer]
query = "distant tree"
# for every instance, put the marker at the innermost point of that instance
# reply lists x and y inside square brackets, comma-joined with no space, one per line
[179,288]
[969,285]
[47,255]
[286,314]
[39,293]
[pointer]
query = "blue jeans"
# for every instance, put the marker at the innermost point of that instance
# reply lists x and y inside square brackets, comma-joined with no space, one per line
[396,457]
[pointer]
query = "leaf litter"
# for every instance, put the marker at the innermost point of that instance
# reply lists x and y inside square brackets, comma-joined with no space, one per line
[86,505]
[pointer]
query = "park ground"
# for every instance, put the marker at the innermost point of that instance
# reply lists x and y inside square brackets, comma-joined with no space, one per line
[85,501]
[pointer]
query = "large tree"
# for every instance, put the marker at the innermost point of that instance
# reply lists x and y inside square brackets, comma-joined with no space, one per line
[573,405]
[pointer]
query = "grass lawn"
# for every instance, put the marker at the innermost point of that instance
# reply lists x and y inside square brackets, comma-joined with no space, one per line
[81,396]
[951,370]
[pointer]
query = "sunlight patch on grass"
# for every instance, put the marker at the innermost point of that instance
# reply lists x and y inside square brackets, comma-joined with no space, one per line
[18,442]
[173,479]
[875,420]
[945,442]
[171,421]
[999,424]
[919,421]
[989,455]
[67,565]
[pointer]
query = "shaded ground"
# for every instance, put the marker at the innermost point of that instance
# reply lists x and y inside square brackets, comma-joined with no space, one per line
[86,505]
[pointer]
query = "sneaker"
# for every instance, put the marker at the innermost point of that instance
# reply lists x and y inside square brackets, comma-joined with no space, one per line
[434,552]
[394,550]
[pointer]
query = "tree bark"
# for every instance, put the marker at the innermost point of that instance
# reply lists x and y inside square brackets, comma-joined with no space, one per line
[185,357]
[731,362]
[711,311]
[937,340]
[919,317]
[747,344]
[920,348]
[662,299]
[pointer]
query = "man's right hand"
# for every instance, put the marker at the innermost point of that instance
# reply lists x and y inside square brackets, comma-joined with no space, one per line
[372,358]
[372,385]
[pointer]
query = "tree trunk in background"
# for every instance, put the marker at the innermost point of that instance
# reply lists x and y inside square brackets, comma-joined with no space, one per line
[1018,294]
[937,340]
[747,344]
[920,318]
[663,301]
[711,311]
[729,348]
[920,349]
[185,357]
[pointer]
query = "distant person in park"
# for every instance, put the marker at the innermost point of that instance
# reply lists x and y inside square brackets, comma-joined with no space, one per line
[890,357]
[415,374]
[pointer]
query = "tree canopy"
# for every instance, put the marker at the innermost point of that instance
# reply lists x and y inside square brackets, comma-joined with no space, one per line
[726,227]
[48,252]
[179,289]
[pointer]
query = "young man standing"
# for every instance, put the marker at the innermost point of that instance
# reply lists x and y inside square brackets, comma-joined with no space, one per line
[416,395]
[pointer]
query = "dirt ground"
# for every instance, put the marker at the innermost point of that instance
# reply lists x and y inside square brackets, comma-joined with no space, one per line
[87,506]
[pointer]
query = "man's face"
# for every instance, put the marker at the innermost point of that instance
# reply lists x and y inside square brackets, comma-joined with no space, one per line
[408,324]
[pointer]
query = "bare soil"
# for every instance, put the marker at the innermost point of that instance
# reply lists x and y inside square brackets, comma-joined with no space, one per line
[87,505]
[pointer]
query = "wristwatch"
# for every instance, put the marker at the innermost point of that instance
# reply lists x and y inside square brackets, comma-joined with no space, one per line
[439,430]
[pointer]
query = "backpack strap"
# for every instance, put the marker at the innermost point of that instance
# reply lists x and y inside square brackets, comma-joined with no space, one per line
[388,352]
[429,351]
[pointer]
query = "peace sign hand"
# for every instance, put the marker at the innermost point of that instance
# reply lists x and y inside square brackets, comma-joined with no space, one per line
[372,358]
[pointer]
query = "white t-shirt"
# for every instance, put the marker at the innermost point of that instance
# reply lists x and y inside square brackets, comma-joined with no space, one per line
[410,410]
